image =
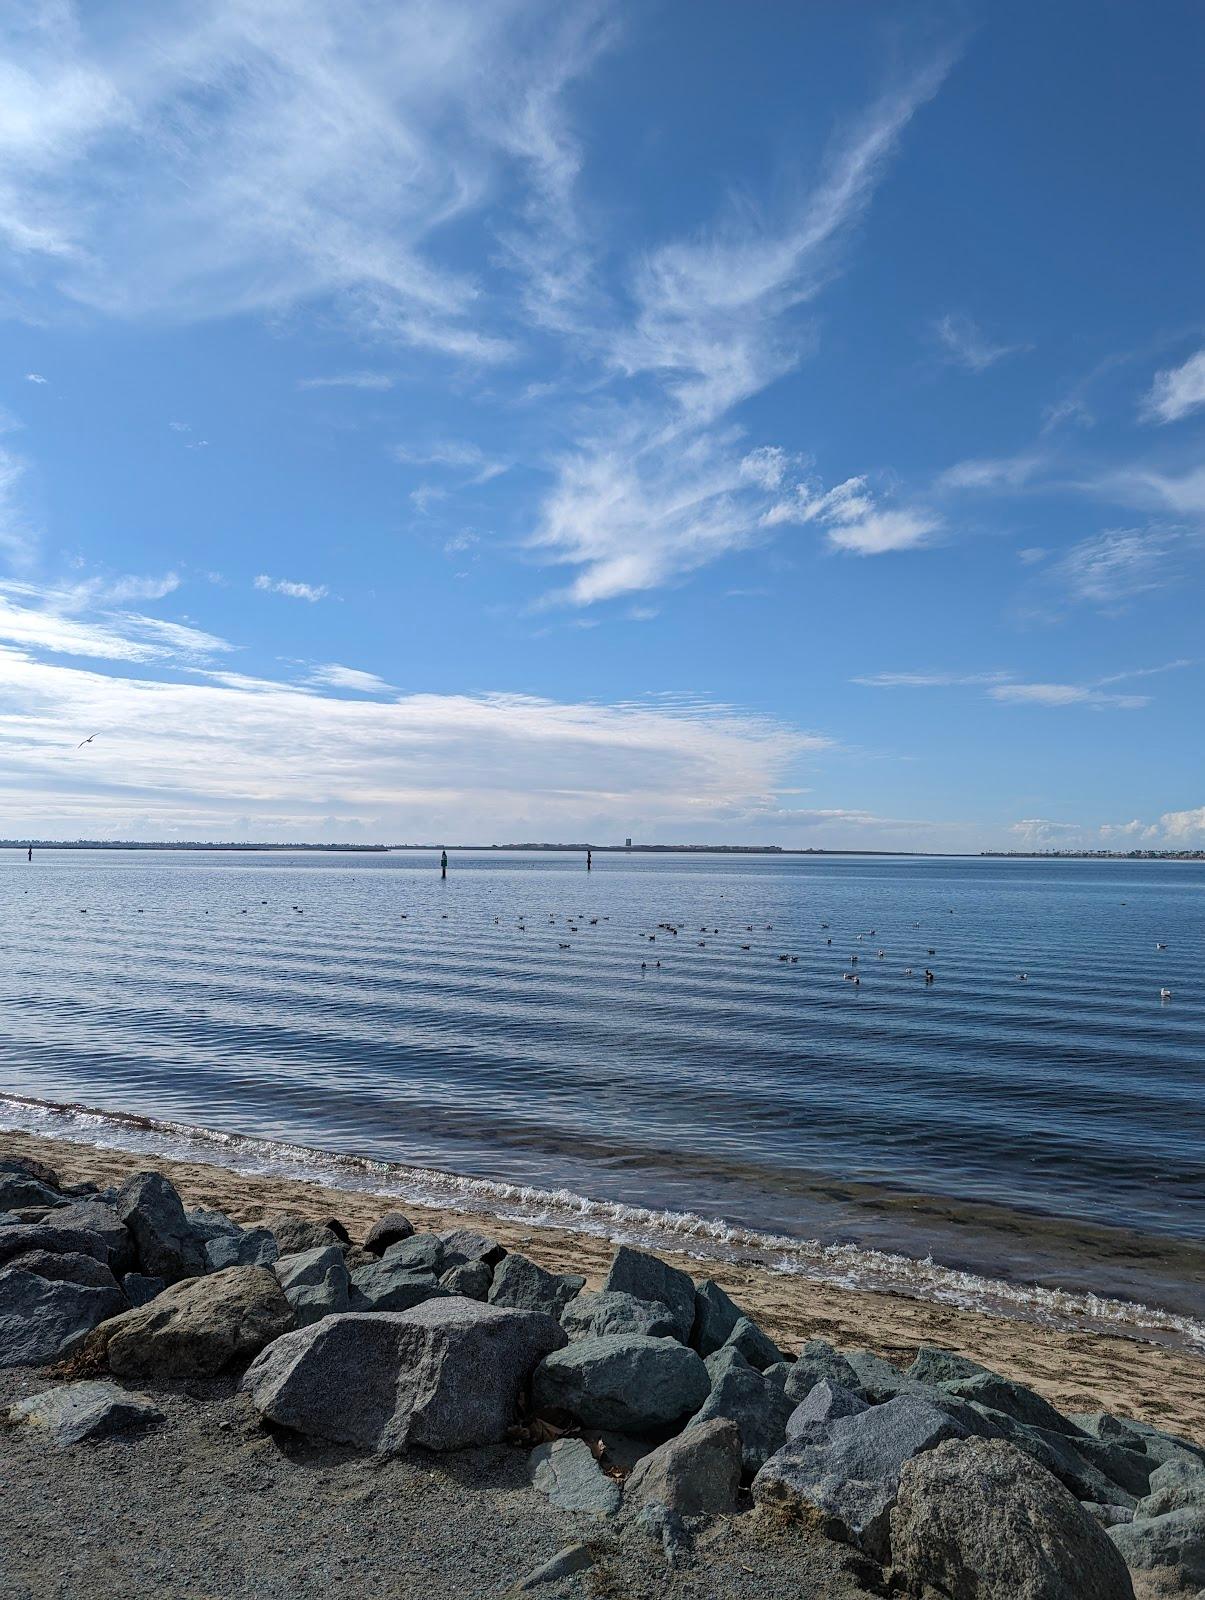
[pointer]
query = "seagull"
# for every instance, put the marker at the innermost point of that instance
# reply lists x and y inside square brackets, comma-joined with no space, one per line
[1165,994]
[83,742]
[1160,947]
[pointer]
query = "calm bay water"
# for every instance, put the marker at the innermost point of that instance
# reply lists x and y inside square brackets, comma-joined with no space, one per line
[1048,1130]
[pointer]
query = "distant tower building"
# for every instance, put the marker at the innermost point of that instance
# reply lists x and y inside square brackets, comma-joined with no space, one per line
[627,843]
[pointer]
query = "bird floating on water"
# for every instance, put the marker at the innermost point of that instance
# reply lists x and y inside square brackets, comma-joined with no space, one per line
[1165,994]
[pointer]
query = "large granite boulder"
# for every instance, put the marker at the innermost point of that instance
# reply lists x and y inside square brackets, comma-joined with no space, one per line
[994,1393]
[152,1211]
[758,1349]
[470,1278]
[421,1252]
[392,1285]
[77,1411]
[387,1230]
[977,1520]
[253,1247]
[21,1191]
[99,1218]
[1155,1443]
[524,1286]
[1172,1485]
[1169,1549]
[19,1238]
[933,1366]
[1061,1455]
[30,1167]
[447,1375]
[626,1381]
[567,1472]
[716,1314]
[139,1290]
[50,1302]
[196,1328]
[645,1277]
[590,1316]
[295,1234]
[818,1360]
[824,1402]
[756,1404]
[315,1283]
[845,1481]
[697,1473]
[462,1246]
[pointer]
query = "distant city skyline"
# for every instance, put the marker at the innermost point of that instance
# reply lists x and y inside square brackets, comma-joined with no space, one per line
[706,424]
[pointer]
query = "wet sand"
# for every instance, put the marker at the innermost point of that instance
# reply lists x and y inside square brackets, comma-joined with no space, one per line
[1075,1371]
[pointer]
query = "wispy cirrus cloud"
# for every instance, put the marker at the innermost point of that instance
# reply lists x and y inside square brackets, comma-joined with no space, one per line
[348,380]
[1176,392]
[79,620]
[1112,567]
[457,455]
[333,676]
[1009,688]
[1065,694]
[291,588]
[964,344]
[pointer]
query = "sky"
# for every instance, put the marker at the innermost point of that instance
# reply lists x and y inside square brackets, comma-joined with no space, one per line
[504,420]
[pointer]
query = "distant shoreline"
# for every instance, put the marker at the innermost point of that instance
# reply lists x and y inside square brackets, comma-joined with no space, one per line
[603,849]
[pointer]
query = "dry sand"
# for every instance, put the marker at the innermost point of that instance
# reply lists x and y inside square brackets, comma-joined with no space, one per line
[1074,1371]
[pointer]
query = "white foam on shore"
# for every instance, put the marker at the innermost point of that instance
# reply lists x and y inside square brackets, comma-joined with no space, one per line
[843,1265]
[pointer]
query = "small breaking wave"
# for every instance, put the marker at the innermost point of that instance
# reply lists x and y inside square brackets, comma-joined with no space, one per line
[845,1266]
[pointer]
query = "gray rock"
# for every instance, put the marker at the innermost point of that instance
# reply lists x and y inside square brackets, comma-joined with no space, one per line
[644,1277]
[208,1225]
[977,1520]
[715,1317]
[49,1303]
[524,1286]
[1173,1544]
[257,1247]
[392,1228]
[21,1191]
[294,1235]
[573,1558]
[423,1252]
[462,1245]
[195,1328]
[471,1279]
[778,1372]
[101,1220]
[1013,1399]
[315,1283]
[447,1375]
[824,1402]
[19,1238]
[877,1380]
[667,1529]
[140,1290]
[698,1473]
[77,1411]
[819,1360]
[151,1210]
[1158,1445]
[845,1483]
[1106,1516]
[758,1349]
[1173,1485]
[625,1381]
[590,1316]
[30,1167]
[756,1404]
[568,1474]
[935,1366]
[390,1285]
[1059,1454]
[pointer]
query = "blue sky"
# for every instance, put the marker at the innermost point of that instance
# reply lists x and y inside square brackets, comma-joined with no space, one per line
[511,420]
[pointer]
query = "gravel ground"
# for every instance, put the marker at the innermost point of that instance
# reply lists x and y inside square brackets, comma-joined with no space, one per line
[210,1506]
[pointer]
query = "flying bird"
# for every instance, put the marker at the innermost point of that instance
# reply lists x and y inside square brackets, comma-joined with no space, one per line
[83,742]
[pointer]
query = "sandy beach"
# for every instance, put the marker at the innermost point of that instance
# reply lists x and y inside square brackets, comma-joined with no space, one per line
[1074,1371]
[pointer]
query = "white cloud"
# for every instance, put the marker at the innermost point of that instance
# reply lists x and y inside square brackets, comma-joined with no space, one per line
[1065,694]
[1184,827]
[1031,555]
[49,619]
[1036,833]
[458,455]
[348,380]
[1001,472]
[16,534]
[1176,391]
[1112,567]
[294,590]
[333,676]
[965,345]
[930,680]
[35,377]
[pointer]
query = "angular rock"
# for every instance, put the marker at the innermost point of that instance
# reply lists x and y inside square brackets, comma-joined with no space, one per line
[625,1381]
[140,1290]
[698,1473]
[447,1375]
[715,1317]
[387,1230]
[845,1483]
[1013,1399]
[573,1558]
[1106,1516]
[462,1245]
[390,1285]
[668,1529]
[819,1360]
[755,1403]
[824,1402]
[49,1303]
[1172,1546]
[644,1277]
[524,1286]
[295,1234]
[315,1283]
[100,1219]
[568,1474]
[590,1316]
[77,1411]
[1059,1454]
[1173,1485]
[778,1372]
[942,1366]
[257,1247]
[472,1279]
[195,1328]
[152,1212]
[877,1379]
[1155,1443]
[977,1520]
[758,1349]
[20,1191]
[30,1167]
[208,1225]
[423,1252]
[20,1238]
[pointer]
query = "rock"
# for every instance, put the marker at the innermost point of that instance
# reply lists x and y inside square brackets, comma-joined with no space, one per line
[77,1411]
[424,1252]
[294,1235]
[257,1247]
[778,1372]
[524,1286]
[387,1230]
[819,1360]
[83,1191]
[1156,1444]
[644,1277]
[1175,1484]
[878,1380]
[573,1558]
[698,1473]
[29,1167]
[824,1403]
[1013,1399]
[846,1482]
[101,1220]
[667,1528]
[151,1210]
[354,1257]
[462,1245]
[196,1328]
[140,1290]
[447,1375]
[1106,1516]
[1172,1546]
[755,1403]
[568,1474]
[472,1279]
[934,1366]
[978,1520]
[50,1302]
[715,1317]
[590,1316]
[625,1381]
[758,1349]
[20,1190]
[1059,1454]
[392,1286]
[20,1238]
[208,1225]
[315,1283]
